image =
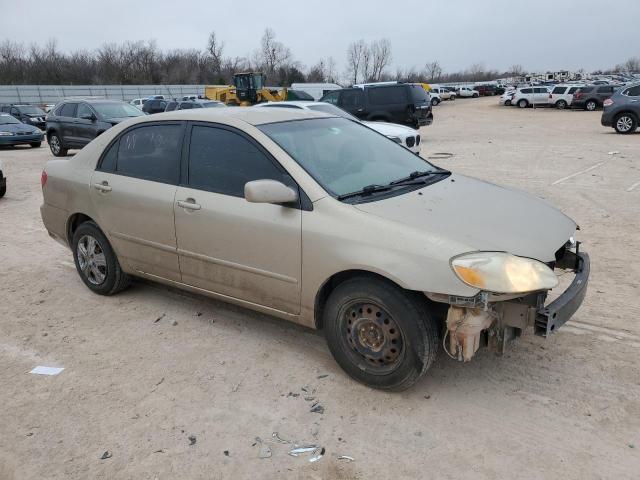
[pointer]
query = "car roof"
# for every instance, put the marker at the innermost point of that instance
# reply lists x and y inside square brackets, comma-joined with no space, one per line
[252,116]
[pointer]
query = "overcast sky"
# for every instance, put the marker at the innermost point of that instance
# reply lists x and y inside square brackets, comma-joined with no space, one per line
[538,34]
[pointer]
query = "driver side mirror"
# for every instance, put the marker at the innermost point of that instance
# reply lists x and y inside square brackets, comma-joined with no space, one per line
[269,191]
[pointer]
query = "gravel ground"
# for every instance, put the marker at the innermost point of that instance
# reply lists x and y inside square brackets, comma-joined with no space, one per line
[178,386]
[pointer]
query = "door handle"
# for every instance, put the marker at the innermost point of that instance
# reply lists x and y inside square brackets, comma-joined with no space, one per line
[189,204]
[103,187]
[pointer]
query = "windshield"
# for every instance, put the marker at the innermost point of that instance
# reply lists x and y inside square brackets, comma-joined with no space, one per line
[344,156]
[333,110]
[8,119]
[116,110]
[31,110]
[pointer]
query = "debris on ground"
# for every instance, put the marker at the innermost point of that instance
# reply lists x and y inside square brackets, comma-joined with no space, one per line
[42,370]
[323,376]
[309,398]
[198,314]
[105,455]
[291,394]
[265,451]
[160,318]
[175,322]
[346,457]
[316,452]
[614,152]
[161,380]
[226,453]
[192,439]
[317,408]
[427,397]
[279,439]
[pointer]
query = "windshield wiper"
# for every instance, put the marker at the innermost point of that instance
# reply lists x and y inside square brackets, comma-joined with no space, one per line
[368,190]
[418,174]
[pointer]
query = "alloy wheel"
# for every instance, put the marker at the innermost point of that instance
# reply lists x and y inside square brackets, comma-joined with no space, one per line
[624,124]
[54,144]
[91,260]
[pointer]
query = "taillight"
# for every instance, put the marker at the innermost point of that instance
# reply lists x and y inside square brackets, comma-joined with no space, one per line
[43,178]
[608,102]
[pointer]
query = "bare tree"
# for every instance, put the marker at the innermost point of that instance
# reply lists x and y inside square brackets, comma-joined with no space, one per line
[215,48]
[381,57]
[355,52]
[272,54]
[632,65]
[433,71]
[367,64]
[516,70]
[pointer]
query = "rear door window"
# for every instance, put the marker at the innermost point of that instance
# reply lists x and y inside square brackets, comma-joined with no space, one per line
[527,90]
[83,109]
[68,110]
[387,95]
[151,153]
[559,90]
[607,89]
[223,161]
[572,90]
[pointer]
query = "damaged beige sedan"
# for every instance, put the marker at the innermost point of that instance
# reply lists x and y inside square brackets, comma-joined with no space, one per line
[321,221]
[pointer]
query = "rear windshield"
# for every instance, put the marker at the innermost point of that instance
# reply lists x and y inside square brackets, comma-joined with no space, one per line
[7,119]
[418,94]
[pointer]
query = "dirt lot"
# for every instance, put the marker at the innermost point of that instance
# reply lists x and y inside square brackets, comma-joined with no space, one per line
[567,407]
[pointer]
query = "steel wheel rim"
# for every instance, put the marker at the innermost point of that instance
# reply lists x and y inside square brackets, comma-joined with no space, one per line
[54,144]
[91,260]
[374,340]
[624,124]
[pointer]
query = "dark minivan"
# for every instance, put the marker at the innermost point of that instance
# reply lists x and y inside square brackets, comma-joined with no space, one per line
[404,103]
[74,123]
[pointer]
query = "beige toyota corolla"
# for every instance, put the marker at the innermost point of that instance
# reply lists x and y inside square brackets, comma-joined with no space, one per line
[321,221]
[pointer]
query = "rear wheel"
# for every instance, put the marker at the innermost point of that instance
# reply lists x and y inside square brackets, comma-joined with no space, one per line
[380,334]
[591,105]
[55,144]
[523,103]
[96,262]
[561,104]
[625,123]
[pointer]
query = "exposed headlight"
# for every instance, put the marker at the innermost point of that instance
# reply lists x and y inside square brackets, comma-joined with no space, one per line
[502,272]
[6,134]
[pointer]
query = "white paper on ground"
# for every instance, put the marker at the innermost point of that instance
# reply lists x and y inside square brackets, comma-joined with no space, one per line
[40,370]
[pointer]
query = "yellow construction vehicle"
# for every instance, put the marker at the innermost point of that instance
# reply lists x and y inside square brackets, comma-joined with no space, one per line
[247,89]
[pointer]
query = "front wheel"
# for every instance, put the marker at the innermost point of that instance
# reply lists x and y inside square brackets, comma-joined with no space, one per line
[96,262]
[523,103]
[625,123]
[55,144]
[380,334]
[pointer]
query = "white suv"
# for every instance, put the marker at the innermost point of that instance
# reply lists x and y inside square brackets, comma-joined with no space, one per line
[562,95]
[527,96]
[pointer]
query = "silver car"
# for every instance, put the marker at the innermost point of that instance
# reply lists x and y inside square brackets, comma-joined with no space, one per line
[321,221]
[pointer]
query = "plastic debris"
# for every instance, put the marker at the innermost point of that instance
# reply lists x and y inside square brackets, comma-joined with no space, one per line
[160,318]
[265,451]
[226,453]
[323,376]
[317,408]
[309,399]
[40,370]
[279,439]
[105,455]
[318,456]
[346,457]
[614,152]
[192,439]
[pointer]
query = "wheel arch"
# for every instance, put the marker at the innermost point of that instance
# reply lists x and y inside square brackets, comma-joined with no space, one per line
[627,112]
[74,221]
[331,283]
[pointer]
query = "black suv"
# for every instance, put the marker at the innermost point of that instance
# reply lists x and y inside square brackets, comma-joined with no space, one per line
[622,110]
[28,114]
[404,103]
[74,123]
[592,96]
[154,105]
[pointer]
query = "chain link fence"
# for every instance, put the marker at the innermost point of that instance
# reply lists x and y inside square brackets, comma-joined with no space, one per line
[52,94]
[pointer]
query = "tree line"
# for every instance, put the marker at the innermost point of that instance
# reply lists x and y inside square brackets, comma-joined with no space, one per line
[142,62]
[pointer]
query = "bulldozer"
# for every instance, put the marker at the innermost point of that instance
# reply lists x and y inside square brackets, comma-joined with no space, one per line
[247,89]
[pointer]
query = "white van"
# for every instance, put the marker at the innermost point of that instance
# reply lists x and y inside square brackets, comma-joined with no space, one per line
[316,90]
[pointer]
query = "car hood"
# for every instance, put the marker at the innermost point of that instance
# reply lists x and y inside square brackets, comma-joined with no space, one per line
[19,128]
[481,215]
[392,129]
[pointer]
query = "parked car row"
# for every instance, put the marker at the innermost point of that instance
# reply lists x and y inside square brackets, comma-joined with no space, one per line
[29,114]
[161,105]
[15,132]
[587,97]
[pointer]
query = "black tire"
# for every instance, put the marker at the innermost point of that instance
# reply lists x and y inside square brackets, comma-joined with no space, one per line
[35,144]
[625,123]
[55,145]
[522,103]
[397,322]
[3,190]
[507,103]
[591,105]
[561,104]
[434,102]
[115,279]
[476,95]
